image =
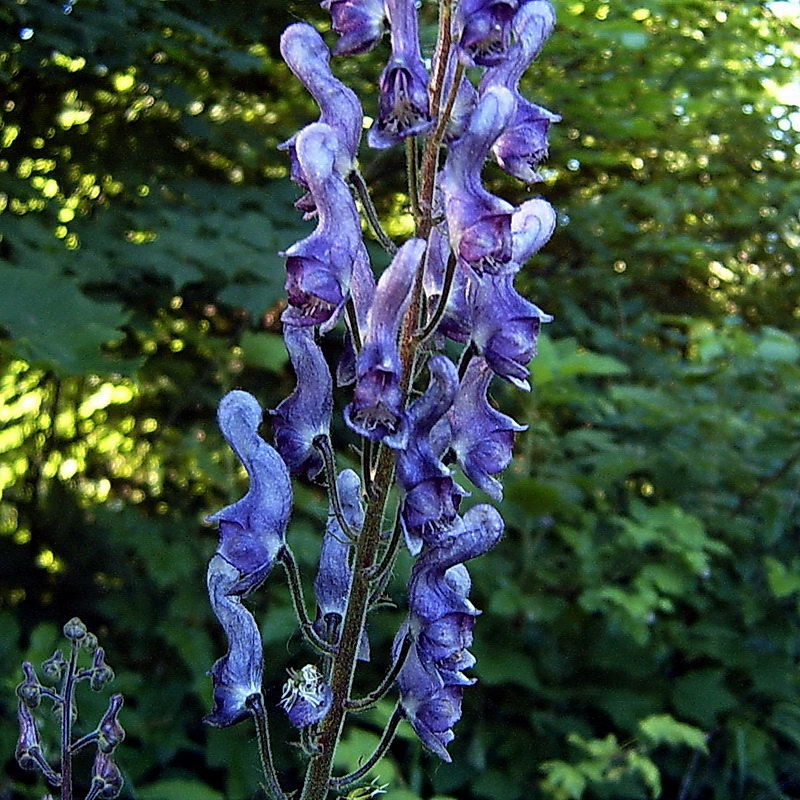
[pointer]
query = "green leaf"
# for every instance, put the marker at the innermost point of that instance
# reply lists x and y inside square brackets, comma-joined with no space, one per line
[178,789]
[665,729]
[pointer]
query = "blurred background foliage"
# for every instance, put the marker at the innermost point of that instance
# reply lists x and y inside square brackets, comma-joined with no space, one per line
[640,636]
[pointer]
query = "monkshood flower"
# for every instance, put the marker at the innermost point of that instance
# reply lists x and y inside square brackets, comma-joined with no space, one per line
[481,437]
[237,675]
[431,497]
[308,57]
[109,730]
[107,780]
[252,530]
[335,574]
[306,412]
[505,328]
[28,752]
[359,23]
[532,225]
[403,104]
[376,411]
[523,144]
[306,697]
[319,267]
[484,30]
[479,222]
[362,293]
[441,619]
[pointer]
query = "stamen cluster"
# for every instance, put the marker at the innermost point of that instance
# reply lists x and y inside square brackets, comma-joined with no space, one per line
[453,281]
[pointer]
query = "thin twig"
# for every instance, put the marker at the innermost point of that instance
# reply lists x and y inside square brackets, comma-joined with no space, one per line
[436,318]
[371,213]
[272,785]
[352,318]
[377,755]
[84,741]
[363,703]
[379,571]
[286,557]
[323,444]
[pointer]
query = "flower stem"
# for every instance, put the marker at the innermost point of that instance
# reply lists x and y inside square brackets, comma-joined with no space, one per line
[286,557]
[363,703]
[412,173]
[436,318]
[371,213]
[379,752]
[68,694]
[323,444]
[273,787]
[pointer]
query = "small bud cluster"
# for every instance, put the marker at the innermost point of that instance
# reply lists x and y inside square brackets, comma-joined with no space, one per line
[66,674]
[453,281]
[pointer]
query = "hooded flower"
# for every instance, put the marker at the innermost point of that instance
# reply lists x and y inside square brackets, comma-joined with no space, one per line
[431,496]
[441,619]
[107,780]
[482,438]
[505,328]
[403,104]
[359,23]
[237,675]
[479,222]
[523,144]
[307,697]
[532,225]
[252,530]
[319,267]
[335,574]
[484,30]
[377,408]
[306,412]
[29,745]
[308,57]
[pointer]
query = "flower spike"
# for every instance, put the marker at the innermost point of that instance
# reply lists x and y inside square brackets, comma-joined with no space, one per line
[252,530]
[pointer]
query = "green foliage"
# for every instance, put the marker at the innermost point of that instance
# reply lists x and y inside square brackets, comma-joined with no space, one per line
[640,632]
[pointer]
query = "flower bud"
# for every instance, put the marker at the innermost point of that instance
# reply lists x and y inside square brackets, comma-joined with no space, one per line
[30,690]
[90,642]
[29,744]
[53,667]
[75,630]
[101,672]
[107,780]
[109,731]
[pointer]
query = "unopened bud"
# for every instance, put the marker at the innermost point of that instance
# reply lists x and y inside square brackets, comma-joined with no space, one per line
[101,672]
[89,642]
[106,778]
[29,742]
[109,731]
[30,690]
[53,667]
[75,630]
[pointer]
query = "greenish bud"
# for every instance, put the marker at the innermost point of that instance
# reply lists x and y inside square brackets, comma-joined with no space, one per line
[53,667]
[30,690]
[89,642]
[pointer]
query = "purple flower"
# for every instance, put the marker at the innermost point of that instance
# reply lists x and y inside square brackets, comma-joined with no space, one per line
[362,292]
[403,104]
[335,574]
[441,619]
[523,144]
[505,328]
[237,675]
[479,222]
[359,23]
[306,412]
[465,102]
[309,59]
[431,496]
[319,267]
[29,745]
[252,530]
[307,697]
[532,225]
[484,30]
[377,408]
[109,730]
[481,437]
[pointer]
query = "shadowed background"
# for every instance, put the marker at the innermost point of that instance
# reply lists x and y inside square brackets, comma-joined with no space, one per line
[640,631]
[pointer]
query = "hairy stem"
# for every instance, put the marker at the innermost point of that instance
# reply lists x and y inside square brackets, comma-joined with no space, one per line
[273,787]
[371,213]
[436,318]
[323,444]
[352,318]
[68,694]
[363,703]
[286,557]
[412,174]
[377,755]
[84,741]
[379,572]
